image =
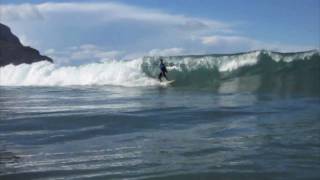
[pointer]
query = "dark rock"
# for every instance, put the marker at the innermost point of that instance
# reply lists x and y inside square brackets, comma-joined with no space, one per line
[13,52]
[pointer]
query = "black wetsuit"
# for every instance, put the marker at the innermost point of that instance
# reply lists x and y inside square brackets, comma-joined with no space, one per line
[163,71]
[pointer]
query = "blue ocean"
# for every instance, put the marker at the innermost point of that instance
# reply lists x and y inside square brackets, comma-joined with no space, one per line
[251,115]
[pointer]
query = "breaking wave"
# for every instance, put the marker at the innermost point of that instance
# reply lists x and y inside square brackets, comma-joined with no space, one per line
[43,73]
[256,70]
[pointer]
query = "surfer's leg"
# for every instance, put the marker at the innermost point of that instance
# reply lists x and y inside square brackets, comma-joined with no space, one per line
[160,75]
[164,75]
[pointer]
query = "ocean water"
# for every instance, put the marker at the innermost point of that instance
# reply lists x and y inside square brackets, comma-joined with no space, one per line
[251,115]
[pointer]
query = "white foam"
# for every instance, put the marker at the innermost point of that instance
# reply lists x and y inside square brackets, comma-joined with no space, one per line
[119,73]
[305,55]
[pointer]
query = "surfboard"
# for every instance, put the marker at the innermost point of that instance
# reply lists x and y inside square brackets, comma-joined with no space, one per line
[167,82]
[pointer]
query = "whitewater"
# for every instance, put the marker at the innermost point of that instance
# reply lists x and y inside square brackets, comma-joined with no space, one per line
[47,74]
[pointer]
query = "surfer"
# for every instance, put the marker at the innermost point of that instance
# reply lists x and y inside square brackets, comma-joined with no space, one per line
[163,70]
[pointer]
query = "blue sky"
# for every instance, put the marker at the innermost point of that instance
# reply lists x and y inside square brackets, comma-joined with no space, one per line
[75,32]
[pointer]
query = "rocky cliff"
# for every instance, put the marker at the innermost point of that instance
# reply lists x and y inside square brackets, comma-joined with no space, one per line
[13,52]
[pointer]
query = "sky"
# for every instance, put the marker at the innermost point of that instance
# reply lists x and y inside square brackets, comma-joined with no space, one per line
[76,32]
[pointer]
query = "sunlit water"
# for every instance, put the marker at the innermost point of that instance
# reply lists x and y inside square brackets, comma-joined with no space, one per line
[104,132]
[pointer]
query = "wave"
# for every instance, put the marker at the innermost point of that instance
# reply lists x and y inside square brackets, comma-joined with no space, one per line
[256,70]
[43,73]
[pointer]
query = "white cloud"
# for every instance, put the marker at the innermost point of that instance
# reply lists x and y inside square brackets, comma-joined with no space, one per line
[108,12]
[166,52]
[87,47]
[20,12]
[218,40]
[93,53]
[50,51]
[238,42]
[26,41]
[84,53]
[107,55]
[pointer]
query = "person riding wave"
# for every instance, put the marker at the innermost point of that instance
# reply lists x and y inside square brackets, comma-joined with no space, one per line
[163,71]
